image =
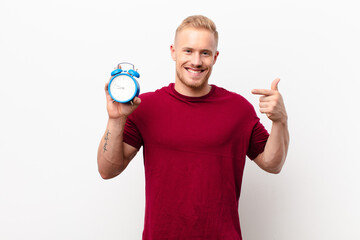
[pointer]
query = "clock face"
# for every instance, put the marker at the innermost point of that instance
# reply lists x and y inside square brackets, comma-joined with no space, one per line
[122,88]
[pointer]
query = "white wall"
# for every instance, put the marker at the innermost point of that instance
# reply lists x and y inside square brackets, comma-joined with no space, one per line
[56,55]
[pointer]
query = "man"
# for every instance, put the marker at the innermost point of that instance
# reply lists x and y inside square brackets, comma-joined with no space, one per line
[195,139]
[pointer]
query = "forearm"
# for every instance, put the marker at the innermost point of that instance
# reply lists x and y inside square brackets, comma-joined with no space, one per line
[276,147]
[111,151]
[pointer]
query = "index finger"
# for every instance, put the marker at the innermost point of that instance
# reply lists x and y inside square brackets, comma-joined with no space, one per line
[266,92]
[107,84]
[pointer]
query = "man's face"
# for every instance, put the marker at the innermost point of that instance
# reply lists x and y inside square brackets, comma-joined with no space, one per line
[194,52]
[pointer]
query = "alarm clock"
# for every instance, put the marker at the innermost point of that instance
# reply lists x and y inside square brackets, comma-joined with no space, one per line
[123,86]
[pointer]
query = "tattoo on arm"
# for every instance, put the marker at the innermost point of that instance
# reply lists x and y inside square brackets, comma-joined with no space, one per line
[106,140]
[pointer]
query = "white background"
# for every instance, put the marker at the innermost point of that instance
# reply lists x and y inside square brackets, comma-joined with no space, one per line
[55,57]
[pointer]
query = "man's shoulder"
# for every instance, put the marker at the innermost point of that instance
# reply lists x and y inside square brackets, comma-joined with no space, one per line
[151,99]
[233,103]
[229,95]
[153,95]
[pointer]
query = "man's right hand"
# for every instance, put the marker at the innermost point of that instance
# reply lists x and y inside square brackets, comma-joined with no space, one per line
[113,154]
[118,110]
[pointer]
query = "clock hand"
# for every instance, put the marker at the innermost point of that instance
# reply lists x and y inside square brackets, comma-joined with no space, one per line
[119,87]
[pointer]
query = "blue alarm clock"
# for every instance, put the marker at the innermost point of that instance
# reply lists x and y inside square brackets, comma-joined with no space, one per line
[123,86]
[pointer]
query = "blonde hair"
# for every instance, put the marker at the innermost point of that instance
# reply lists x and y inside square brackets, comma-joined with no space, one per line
[198,21]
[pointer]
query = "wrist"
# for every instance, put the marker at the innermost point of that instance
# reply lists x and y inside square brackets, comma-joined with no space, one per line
[117,121]
[283,121]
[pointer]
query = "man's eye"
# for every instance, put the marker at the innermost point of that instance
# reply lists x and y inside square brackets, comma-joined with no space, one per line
[187,51]
[206,53]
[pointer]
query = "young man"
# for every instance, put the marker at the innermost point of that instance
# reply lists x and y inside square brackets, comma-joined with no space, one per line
[195,139]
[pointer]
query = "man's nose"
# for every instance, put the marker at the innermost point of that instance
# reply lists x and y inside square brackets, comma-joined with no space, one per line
[196,60]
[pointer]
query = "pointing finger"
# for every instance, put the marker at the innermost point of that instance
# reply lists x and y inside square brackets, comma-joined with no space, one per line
[262,92]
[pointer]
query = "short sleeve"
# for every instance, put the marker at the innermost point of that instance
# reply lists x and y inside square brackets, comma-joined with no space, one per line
[132,134]
[258,140]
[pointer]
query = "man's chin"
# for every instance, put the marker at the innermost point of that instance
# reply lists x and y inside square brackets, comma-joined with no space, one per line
[196,85]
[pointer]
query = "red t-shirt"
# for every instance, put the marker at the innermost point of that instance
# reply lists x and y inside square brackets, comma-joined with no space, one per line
[194,155]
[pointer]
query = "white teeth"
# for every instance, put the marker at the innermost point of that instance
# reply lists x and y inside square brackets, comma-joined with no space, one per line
[194,71]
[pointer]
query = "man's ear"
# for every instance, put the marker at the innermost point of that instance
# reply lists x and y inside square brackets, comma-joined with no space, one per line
[172,51]
[216,56]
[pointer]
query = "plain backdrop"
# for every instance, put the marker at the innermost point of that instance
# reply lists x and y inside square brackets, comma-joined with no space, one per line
[55,57]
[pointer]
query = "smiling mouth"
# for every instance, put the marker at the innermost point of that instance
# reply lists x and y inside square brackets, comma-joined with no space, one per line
[194,70]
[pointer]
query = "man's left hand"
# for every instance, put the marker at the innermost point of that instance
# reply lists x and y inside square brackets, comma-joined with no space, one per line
[271,102]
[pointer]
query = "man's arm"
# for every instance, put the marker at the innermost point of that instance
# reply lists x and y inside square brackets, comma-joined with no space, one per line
[274,155]
[113,154]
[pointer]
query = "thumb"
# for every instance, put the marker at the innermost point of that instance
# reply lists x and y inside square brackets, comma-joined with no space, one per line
[136,100]
[274,84]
